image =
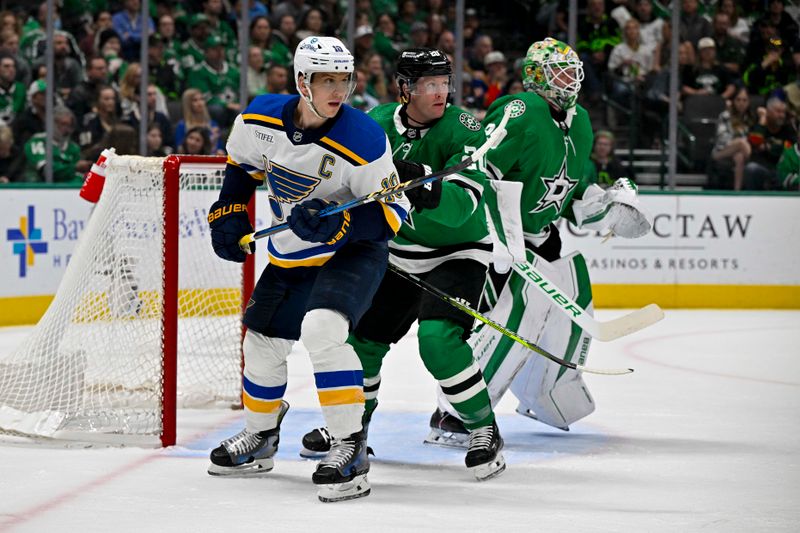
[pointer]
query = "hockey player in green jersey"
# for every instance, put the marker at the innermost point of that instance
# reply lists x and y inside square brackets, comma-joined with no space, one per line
[548,141]
[444,241]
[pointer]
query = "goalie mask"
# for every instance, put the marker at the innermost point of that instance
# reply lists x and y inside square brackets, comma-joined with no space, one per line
[553,70]
[322,54]
[416,63]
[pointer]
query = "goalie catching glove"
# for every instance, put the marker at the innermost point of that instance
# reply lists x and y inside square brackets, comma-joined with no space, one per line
[616,209]
[306,224]
[229,223]
[425,196]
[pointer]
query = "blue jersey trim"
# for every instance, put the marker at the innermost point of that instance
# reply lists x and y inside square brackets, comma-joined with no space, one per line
[261,392]
[340,378]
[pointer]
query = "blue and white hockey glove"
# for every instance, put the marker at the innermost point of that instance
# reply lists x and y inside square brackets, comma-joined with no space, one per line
[229,223]
[306,224]
[427,196]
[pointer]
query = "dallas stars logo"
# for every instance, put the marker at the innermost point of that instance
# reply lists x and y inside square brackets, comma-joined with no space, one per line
[558,189]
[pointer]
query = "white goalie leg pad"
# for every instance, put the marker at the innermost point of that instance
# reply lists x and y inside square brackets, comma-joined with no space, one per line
[548,392]
[324,334]
[557,396]
[264,366]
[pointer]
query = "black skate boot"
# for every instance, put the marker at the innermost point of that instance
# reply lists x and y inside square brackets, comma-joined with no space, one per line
[317,442]
[484,459]
[447,430]
[342,473]
[246,453]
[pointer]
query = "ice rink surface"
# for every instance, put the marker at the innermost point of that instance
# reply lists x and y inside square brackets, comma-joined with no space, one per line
[704,436]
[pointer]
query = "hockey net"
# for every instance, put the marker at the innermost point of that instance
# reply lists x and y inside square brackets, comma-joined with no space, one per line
[146,317]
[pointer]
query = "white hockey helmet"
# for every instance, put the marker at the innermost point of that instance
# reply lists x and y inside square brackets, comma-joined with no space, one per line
[323,54]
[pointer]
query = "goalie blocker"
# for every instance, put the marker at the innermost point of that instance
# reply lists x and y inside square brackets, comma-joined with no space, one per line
[546,391]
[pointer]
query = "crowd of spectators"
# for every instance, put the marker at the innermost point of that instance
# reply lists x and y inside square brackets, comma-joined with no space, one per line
[745,54]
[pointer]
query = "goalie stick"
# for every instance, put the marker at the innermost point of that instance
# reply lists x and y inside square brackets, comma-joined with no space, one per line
[462,305]
[602,331]
[492,141]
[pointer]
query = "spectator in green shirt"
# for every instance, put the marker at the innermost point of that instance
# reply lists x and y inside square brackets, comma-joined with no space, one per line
[789,167]
[218,81]
[67,164]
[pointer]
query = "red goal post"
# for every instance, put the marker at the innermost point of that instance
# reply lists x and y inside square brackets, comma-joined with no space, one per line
[146,318]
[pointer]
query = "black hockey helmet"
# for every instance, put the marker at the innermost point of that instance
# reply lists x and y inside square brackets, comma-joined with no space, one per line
[415,63]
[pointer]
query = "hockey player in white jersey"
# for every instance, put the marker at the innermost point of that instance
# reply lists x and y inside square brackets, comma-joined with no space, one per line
[323,273]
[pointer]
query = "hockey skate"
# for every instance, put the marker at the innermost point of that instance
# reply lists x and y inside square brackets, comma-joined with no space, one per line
[484,459]
[342,474]
[247,454]
[447,430]
[317,442]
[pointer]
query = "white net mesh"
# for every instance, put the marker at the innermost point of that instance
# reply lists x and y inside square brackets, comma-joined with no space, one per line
[93,365]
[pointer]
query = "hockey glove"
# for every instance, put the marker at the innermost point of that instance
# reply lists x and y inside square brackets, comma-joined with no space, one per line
[306,224]
[427,196]
[229,223]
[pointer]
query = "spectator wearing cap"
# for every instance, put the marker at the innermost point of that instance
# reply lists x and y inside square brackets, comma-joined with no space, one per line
[80,100]
[214,10]
[12,92]
[629,63]
[730,51]
[707,76]
[9,43]
[768,139]
[496,76]
[67,71]
[31,119]
[192,50]
[418,35]
[772,71]
[165,73]
[364,40]
[128,24]
[274,50]
[109,49]
[218,81]
[67,163]
[603,168]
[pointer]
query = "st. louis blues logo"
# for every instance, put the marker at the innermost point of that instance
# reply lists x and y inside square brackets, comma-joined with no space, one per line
[287,186]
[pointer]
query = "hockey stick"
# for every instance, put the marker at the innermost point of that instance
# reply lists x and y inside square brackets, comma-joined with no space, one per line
[461,305]
[492,141]
[603,331]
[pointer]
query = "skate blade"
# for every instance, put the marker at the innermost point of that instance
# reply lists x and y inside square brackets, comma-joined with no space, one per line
[305,453]
[358,487]
[256,468]
[530,414]
[489,470]
[447,439]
